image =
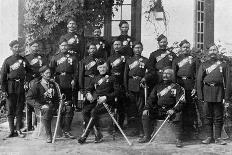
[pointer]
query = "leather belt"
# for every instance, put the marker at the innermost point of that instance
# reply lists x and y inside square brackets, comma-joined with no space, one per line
[64,73]
[213,84]
[91,75]
[116,73]
[186,78]
[136,77]
[16,80]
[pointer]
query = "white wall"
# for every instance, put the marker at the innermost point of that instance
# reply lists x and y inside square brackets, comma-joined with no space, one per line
[8,26]
[180,16]
[223,23]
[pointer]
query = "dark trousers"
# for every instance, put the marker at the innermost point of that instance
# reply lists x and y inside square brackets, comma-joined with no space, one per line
[149,123]
[67,112]
[15,105]
[30,110]
[213,114]
[135,109]
[92,110]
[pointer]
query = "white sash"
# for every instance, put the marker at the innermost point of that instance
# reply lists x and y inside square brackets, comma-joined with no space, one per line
[118,61]
[134,64]
[162,56]
[102,80]
[61,60]
[213,67]
[185,61]
[165,90]
[90,65]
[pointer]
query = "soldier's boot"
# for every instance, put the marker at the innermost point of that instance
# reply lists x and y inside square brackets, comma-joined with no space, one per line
[85,135]
[209,132]
[134,131]
[218,130]
[67,128]
[98,135]
[29,119]
[47,126]
[147,130]
[179,143]
[18,126]
[11,126]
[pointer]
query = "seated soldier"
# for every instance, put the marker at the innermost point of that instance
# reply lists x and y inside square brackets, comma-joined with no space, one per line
[43,96]
[161,103]
[102,89]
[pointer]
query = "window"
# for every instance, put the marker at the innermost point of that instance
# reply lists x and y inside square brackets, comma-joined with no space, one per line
[123,13]
[200,23]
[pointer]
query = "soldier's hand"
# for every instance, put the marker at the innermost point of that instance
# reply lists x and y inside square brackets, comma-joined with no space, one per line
[143,80]
[101,99]
[45,106]
[71,41]
[4,94]
[146,112]
[89,97]
[226,104]
[72,83]
[193,92]
[170,112]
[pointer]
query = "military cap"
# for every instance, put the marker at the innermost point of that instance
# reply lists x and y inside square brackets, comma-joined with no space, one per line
[100,62]
[71,19]
[183,42]
[43,69]
[122,22]
[14,42]
[161,37]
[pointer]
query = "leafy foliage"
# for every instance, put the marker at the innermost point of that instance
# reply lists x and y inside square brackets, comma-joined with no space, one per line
[46,19]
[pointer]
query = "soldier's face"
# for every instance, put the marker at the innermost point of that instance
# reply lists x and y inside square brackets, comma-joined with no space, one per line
[102,69]
[117,45]
[35,47]
[63,47]
[97,33]
[138,49]
[72,25]
[167,74]
[92,49]
[15,49]
[163,43]
[47,74]
[124,28]
[213,50]
[185,48]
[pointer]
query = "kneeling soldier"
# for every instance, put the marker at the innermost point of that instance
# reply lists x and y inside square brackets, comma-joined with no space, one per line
[103,89]
[161,103]
[43,96]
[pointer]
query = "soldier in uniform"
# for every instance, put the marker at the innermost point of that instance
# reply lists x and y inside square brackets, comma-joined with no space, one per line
[64,66]
[75,41]
[126,40]
[103,47]
[158,60]
[36,60]
[116,63]
[44,97]
[211,88]
[102,89]
[13,76]
[135,69]
[161,103]
[185,68]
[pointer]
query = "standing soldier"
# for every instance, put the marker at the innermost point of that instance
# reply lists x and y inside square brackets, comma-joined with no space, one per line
[185,68]
[102,89]
[116,64]
[211,88]
[64,66]
[36,60]
[13,75]
[158,60]
[103,48]
[44,97]
[135,69]
[126,40]
[75,41]
[161,103]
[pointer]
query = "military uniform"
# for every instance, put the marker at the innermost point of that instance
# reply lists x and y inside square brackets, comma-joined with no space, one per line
[101,85]
[164,97]
[211,84]
[36,61]
[64,66]
[75,44]
[185,68]
[103,47]
[44,93]
[127,42]
[116,63]
[13,75]
[158,60]
[135,69]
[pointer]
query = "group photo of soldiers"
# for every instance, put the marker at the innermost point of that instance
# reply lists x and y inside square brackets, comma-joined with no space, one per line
[95,77]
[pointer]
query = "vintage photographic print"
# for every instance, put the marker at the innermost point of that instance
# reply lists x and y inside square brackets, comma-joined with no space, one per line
[116,77]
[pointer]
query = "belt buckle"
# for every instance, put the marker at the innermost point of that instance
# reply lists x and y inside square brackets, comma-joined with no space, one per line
[160,71]
[184,77]
[63,73]
[212,84]
[116,73]
[92,76]
[17,80]
[163,107]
